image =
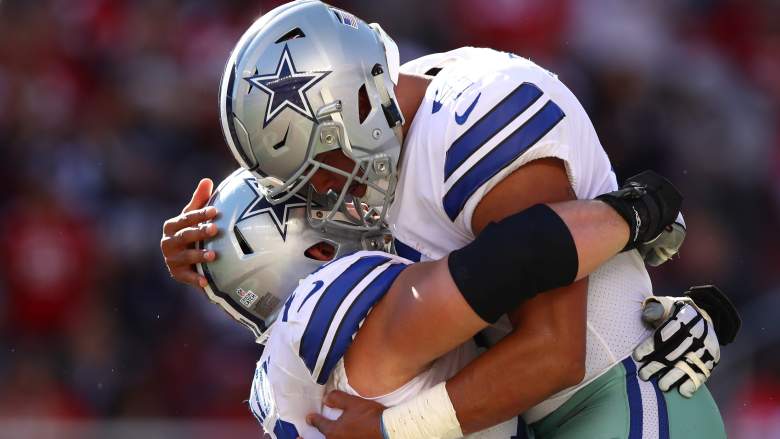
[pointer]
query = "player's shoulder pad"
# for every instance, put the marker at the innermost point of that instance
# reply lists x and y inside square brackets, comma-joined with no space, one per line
[495,113]
[328,307]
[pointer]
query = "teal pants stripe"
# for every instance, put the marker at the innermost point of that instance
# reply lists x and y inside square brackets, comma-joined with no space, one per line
[603,410]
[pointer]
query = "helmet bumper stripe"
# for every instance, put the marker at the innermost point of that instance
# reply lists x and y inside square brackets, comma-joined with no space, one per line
[235,309]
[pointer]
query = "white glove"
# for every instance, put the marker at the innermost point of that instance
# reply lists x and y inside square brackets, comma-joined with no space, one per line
[665,245]
[684,348]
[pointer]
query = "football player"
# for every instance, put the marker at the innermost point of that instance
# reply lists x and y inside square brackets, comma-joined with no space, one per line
[265,250]
[312,94]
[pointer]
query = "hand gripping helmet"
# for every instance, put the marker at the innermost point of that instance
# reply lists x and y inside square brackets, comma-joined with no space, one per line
[262,251]
[307,78]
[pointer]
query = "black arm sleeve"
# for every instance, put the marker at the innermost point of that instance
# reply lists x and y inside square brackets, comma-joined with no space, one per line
[513,260]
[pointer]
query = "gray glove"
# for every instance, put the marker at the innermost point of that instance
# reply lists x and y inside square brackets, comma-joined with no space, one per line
[666,245]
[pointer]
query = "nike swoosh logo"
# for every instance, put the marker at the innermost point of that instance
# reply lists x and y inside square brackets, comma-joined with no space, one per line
[317,285]
[284,140]
[436,104]
[461,118]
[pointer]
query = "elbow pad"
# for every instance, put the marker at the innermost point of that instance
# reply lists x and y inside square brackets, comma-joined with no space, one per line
[513,260]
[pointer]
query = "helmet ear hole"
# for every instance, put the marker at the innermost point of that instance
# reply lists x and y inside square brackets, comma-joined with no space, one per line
[242,242]
[321,251]
[364,103]
[291,35]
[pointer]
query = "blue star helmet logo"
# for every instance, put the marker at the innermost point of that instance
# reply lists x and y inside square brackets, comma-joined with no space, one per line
[286,88]
[278,212]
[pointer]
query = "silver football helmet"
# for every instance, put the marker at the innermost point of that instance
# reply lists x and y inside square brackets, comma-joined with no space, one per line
[262,250]
[293,88]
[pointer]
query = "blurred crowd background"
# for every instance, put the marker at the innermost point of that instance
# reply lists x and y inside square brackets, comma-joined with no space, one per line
[108,118]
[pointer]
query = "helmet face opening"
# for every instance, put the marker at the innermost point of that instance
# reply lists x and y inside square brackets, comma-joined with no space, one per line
[322,251]
[364,104]
[307,78]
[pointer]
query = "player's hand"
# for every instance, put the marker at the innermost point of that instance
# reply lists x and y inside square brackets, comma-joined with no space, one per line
[648,203]
[359,420]
[685,347]
[182,232]
[665,245]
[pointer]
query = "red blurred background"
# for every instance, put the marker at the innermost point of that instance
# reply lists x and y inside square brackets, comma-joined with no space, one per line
[108,118]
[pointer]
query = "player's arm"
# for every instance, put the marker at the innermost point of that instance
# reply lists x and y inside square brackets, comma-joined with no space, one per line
[424,308]
[471,288]
[433,284]
[546,351]
[429,297]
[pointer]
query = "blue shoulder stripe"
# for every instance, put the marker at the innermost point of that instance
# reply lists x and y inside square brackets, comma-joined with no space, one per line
[256,393]
[501,156]
[285,430]
[355,314]
[287,303]
[406,251]
[328,304]
[513,105]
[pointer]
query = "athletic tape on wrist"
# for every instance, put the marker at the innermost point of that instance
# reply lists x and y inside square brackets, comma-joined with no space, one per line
[429,415]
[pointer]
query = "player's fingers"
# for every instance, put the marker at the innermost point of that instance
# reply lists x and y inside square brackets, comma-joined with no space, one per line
[190,257]
[170,245]
[656,309]
[688,388]
[190,235]
[653,313]
[188,219]
[187,275]
[340,400]
[645,348]
[319,422]
[650,369]
[669,378]
[201,195]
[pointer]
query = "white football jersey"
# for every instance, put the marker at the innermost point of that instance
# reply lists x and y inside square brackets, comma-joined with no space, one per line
[485,114]
[302,359]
